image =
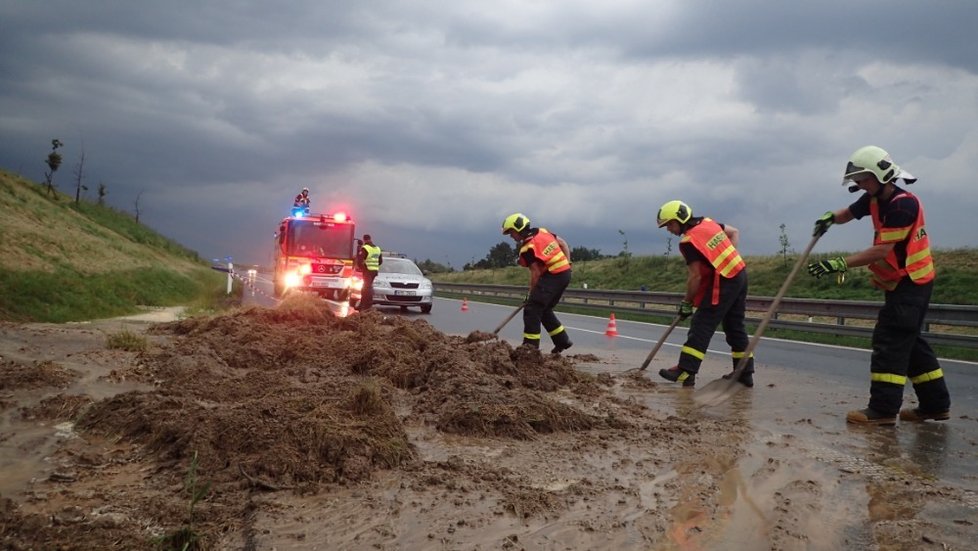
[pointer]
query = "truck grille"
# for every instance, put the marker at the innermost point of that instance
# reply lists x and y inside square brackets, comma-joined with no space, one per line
[326,269]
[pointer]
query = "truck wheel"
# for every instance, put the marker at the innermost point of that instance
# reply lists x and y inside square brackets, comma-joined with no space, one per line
[425,308]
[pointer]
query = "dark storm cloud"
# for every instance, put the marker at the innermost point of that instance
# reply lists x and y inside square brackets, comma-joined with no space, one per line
[435,120]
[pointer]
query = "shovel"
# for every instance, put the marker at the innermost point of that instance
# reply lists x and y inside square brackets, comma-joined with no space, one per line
[508,318]
[658,345]
[721,390]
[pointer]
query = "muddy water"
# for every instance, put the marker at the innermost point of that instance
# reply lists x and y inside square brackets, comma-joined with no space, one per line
[26,445]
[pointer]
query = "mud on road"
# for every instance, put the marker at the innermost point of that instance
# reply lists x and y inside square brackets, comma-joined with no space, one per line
[300,430]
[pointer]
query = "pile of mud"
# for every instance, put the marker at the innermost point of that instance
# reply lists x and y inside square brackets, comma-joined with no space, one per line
[294,397]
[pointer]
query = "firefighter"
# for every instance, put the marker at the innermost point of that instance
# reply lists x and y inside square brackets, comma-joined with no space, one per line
[900,264]
[369,259]
[302,199]
[716,286]
[547,256]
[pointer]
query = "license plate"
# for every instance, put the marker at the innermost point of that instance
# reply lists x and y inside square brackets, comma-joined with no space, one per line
[404,293]
[328,283]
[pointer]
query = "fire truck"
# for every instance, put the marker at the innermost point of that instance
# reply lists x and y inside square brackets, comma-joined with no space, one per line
[314,253]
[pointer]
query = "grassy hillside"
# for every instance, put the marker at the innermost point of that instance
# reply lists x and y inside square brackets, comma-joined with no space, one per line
[64,262]
[957,279]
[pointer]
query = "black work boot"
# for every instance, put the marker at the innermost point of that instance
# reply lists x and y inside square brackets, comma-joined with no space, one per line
[677,375]
[530,344]
[561,342]
[746,376]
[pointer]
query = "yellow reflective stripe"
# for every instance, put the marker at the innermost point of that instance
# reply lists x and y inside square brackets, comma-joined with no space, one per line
[922,272]
[739,355]
[555,331]
[731,266]
[894,234]
[682,377]
[888,378]
[558,261]
[723,256]
[929,376]
[693,352]
[918,256]
[532,336]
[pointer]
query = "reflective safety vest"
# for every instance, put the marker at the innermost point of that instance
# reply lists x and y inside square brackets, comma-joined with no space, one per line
[547,249]
[710,240]
[372,262]
[919,264]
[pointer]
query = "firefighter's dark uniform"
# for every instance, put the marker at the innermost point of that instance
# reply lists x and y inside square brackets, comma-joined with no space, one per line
[906,276]
[721,298]
[541,246]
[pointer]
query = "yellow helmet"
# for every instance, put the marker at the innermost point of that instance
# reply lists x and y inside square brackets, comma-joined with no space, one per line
[517,222]
[674,210]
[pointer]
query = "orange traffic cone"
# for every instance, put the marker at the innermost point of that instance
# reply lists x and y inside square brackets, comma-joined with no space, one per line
[612,330]
[465,305]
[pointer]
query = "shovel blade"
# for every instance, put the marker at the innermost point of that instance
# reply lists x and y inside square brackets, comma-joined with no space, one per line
[717,392]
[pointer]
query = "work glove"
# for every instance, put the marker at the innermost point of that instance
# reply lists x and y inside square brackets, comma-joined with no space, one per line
[685,310]
[830,266]
[823,223]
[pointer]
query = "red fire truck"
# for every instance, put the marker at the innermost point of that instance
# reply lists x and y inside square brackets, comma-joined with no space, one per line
[314,253]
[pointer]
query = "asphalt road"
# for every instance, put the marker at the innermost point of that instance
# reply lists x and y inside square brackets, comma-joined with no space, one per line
[801,389]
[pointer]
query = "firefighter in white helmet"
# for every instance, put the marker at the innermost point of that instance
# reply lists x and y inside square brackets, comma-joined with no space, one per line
[900,264]
[548,258]
[716,285]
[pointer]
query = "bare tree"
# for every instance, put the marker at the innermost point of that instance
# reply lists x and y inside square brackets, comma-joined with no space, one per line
[80,175]
[53,162]
[668,247]
[136,204]
[783,239]
[102,192]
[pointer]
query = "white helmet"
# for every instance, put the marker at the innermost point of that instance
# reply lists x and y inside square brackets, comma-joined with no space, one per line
[876,161]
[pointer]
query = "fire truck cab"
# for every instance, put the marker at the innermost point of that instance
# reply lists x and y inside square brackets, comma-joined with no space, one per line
[314,253]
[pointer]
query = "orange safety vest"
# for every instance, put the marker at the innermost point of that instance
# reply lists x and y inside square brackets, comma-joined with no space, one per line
[710,240]
[547,249]
[919,264]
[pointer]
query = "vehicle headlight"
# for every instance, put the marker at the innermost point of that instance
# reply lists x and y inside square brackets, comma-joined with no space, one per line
[426,284]
[292,279]
[382,283]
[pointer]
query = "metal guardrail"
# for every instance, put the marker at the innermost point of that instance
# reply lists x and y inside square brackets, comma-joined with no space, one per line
[659,303]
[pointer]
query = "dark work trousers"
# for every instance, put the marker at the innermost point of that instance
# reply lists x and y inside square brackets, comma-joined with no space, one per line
[367,293]
[540,309]
[899,353]
[729,313]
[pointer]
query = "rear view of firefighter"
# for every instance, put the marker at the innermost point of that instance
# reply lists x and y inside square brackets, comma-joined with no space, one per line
[716,286]
[369,259]
[548,258]
[901,265]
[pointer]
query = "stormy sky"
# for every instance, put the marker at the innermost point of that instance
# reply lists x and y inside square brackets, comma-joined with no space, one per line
[431,121]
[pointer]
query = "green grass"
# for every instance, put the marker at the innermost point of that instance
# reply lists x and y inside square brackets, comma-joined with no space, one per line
[66,295]
[957,279]
[64,261]
[126,340]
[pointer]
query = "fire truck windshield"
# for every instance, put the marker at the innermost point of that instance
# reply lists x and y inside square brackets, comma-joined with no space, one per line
[311,237]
